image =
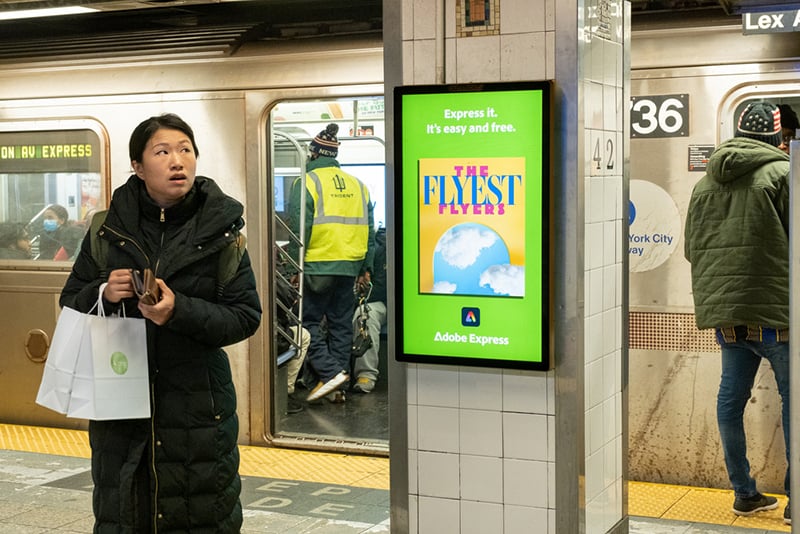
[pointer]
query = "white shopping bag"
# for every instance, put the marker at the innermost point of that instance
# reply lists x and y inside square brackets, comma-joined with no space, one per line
[56,384]
[111,379]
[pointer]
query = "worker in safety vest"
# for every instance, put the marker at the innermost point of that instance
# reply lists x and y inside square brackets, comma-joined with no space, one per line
[339,247]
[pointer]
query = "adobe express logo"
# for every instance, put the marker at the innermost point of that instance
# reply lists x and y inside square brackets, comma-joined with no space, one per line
[470,316]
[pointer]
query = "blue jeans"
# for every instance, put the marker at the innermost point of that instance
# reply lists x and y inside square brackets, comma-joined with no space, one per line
[740,362]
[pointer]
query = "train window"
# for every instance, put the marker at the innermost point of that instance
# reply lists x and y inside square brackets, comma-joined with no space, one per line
[361,132]
[50,184]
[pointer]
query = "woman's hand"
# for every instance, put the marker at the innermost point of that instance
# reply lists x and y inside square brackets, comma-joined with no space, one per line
[119,286]
[161,311]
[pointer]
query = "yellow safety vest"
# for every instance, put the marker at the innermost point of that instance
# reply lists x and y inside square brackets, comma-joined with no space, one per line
[340,230]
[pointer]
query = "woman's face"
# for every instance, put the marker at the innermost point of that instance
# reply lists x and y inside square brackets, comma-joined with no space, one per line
[51,221]
[168,166]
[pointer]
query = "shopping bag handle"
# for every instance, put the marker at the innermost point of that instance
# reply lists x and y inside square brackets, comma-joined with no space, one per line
[99,304]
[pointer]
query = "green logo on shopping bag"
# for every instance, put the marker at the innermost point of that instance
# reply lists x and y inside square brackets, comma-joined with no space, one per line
[119,363]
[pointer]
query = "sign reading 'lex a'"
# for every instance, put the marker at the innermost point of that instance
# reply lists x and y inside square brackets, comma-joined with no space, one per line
[771,22]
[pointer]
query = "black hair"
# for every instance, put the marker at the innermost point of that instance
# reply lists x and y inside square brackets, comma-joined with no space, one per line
[145,130]
[10,233]
[788,117]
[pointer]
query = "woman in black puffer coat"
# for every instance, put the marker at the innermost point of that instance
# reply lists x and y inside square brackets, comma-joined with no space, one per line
[176,472]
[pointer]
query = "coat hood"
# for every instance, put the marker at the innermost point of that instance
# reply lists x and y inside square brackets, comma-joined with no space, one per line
[739,157]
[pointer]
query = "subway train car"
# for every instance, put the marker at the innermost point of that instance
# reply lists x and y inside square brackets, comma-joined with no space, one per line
[256,90]
[689,83]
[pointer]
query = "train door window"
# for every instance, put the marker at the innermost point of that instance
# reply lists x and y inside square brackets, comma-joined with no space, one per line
[50,184]
[349,415]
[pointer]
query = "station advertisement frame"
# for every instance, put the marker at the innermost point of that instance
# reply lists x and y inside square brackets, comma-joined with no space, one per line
[473,224]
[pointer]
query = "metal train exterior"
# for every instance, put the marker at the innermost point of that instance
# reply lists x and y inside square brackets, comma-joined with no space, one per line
[237,105]
[699,75]
[688,85]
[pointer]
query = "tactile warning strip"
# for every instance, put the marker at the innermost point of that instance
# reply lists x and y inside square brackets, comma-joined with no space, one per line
[266,462]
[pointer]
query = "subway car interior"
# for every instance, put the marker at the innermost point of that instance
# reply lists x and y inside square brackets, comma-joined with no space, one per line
[265,77]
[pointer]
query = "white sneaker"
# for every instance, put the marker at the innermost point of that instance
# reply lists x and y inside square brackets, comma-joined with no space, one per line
[323,389]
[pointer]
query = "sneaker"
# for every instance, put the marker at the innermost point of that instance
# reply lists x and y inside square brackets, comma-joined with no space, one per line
[337,397]
[323,389]
[787,514]
[364,384]
[293,405]
[756,503]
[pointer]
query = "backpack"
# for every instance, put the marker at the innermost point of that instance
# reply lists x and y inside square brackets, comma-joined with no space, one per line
[229,257]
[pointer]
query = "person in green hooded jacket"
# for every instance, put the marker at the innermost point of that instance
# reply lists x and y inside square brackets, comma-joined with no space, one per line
[737,240]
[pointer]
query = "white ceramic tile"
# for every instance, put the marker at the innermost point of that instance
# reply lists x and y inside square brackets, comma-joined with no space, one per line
[594,476]
[451,62]
[522,16]
[407,20]
[413,514]
[610,109]
[424,19]
[593,109]
[617,327]
[550,15]
[408,62]
[438,429]
[611,471]
[551,484]
[587,156]
[610,242]
[593,378]
[594,425]
[424,62]
[593,338]
[450,19]
[593,288]
[611,52]
[411,383]
[481,432]
[438,475]
[442,516]
[551,521]
[550,55]
[610,379]
[523,56]
[551,392]
[618,400]
[610,337]
[437,386]
[525,436]
[481,517]
[609,286]
[597,202]
[413,471]
[594,233]
[610,420]
[622,112]
[551,439]
[621,242]
[480,389]
[519,519]
[413,426]
[481,478]
[525,483]
[594,517]
[598,48]
[524,392]
[613,191]
[478,59]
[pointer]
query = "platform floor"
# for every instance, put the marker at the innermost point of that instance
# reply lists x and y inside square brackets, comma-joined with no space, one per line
[45,487]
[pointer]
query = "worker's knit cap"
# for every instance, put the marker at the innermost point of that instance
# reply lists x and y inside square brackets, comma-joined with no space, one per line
[326,143]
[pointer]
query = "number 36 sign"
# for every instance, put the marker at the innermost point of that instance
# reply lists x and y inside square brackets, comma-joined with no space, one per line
[659,116]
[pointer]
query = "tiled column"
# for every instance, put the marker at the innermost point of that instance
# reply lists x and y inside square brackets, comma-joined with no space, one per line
[500,451]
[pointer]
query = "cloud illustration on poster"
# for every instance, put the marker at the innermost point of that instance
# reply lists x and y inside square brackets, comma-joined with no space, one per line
[505,280]
[461,257]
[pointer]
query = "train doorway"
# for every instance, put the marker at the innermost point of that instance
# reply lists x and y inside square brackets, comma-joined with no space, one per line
[353,420]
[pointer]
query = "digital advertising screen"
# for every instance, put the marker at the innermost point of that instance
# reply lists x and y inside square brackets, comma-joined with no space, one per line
[473,224]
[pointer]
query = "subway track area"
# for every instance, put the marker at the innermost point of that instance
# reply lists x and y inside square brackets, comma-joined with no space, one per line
[45,487]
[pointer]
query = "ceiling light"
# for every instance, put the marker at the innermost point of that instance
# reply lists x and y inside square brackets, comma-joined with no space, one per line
[45,12]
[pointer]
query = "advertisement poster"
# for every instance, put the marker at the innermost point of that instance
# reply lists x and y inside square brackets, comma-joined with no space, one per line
[473,227]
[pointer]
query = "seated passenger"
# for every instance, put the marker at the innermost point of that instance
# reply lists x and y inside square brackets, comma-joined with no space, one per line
[60,239]
[14,242]
[366,366]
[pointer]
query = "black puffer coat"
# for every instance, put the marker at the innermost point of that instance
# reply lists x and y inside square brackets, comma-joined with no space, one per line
[178,471]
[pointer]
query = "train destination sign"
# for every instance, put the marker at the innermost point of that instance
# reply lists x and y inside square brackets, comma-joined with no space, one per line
[771,22]
[472,192]
[49,151]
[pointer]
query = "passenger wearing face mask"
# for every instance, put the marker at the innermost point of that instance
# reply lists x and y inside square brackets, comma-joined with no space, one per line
[60,239]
